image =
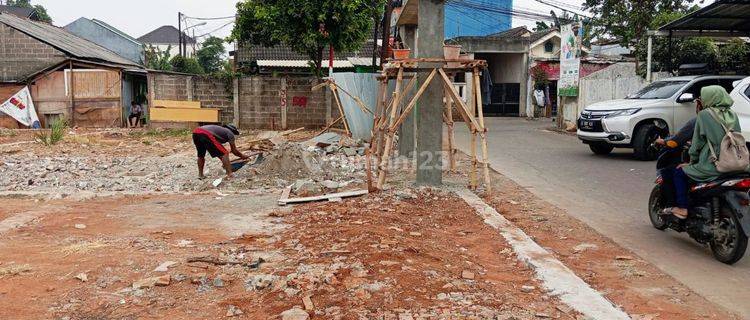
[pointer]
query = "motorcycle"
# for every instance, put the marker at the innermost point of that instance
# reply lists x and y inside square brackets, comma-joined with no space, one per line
[718,212]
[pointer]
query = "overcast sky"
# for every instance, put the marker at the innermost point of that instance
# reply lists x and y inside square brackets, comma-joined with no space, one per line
[138,17]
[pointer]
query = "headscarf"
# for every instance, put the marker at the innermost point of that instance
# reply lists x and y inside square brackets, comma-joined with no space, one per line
[716,97]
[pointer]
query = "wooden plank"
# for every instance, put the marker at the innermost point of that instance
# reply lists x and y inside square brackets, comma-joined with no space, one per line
[285,195]
[461,106]
[185,115]
[341,195]
[177,104]
[386,156]
[413,101]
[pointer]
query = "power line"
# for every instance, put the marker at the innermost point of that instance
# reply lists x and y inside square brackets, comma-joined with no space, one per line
[217,29]
[209,19]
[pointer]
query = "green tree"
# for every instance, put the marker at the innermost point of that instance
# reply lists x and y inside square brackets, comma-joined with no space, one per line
[307,26]
[41,11]
[186,65]
[157,59]
[211,55]
[628,20]
[541,26]
[733,56]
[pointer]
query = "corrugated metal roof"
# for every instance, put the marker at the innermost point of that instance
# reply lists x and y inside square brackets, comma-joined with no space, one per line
[728,15]
[281,52]
[302,63]
[64,41]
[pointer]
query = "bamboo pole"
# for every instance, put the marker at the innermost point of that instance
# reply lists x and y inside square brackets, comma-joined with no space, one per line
[330,126]
[341,109]
[482,133]
[413,102]
[473,170]
[379,104]
[386,156]
[451,137]
[462,108]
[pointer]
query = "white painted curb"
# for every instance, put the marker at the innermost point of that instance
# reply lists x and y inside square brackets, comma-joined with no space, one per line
[553,274]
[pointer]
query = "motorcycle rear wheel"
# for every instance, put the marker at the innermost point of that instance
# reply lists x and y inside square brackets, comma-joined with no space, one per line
[730,242]
[655,207]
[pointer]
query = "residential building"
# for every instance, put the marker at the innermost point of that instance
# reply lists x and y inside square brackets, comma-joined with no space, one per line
[510,55]
[478,18]
[28,13]
[167,38]
[107,36]
[69,77]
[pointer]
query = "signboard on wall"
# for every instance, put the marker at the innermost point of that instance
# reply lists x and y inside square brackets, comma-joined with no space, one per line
[570,59]
[21,107]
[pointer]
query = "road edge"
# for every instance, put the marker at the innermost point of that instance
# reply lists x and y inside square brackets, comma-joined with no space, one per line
[557,278]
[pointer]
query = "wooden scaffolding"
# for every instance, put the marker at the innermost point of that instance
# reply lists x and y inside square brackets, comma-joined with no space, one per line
[390,112]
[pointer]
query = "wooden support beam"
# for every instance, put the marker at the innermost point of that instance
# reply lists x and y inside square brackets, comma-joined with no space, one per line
[448,117]
[412,103]
[483,133]
[386,156]
[461,106]
[329,126]
[341,110]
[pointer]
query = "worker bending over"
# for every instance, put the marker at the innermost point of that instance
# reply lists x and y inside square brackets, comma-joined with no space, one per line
[211,139]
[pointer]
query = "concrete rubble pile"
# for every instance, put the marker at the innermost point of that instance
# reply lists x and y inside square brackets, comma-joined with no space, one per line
[331,167]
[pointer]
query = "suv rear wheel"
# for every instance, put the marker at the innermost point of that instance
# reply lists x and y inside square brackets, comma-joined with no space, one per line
[601,148]
[643,140]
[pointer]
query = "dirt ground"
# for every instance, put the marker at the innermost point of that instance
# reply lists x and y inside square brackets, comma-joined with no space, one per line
[639,288]
[232,252]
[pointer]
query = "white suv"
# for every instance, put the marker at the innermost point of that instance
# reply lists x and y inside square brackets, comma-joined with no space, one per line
[659,109]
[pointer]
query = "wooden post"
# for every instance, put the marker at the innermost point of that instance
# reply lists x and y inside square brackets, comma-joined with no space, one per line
[236,101]
[473,170]
[386,156]
[335,93]
[72,95]
[451,136]
[379,105]
[482,133]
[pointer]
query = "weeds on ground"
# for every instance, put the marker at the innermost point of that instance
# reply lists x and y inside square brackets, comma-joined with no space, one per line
[54,135]
[8,133]
[14,270]
[161,133]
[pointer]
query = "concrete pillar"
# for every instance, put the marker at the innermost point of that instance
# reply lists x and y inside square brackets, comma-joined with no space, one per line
[525,100]
[189,88]
[408,134]
[430,112]
[236,101]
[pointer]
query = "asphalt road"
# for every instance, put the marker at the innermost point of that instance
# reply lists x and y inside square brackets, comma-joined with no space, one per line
[609,193]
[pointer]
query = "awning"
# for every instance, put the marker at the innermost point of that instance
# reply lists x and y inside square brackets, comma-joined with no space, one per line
[723,18]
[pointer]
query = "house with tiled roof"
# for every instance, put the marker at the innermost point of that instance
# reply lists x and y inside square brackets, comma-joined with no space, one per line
[27,13]
[167,38]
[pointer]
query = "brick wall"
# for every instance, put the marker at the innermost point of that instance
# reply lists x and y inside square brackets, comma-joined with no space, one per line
[259,98]
[21,55]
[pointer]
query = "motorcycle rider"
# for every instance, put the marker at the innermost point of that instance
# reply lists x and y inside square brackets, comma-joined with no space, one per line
[701,168]
[675,145]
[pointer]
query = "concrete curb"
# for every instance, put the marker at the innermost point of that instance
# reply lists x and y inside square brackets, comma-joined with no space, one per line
[555,276]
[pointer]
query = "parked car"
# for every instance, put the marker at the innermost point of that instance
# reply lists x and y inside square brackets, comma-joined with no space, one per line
[659,109]
[741,96]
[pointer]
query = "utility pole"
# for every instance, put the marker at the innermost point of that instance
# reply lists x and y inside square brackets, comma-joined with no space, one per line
[386,32]
[431,24]
[376,18]
[179,26]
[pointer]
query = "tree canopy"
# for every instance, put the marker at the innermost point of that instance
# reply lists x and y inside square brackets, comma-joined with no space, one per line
[628,20]
[211,55]
[307,26]
[41,11]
